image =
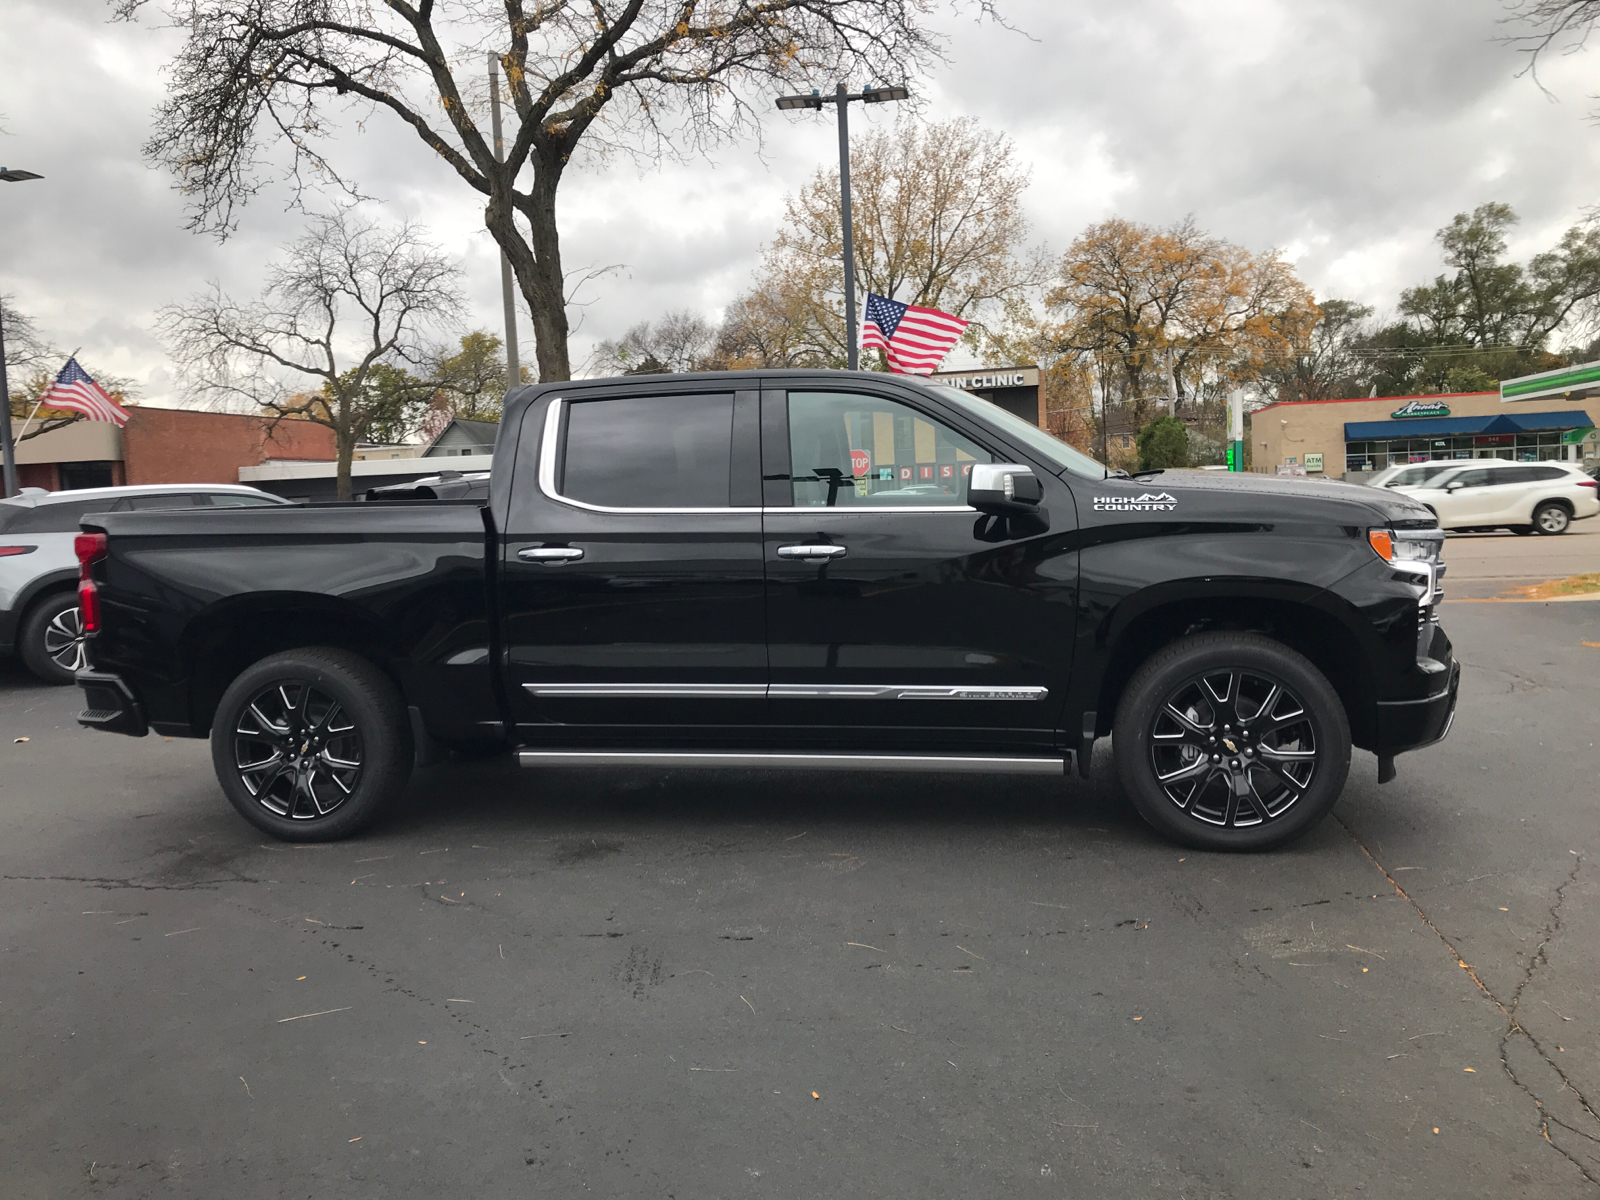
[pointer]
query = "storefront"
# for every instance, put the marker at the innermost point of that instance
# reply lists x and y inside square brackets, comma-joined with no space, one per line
[1353,438]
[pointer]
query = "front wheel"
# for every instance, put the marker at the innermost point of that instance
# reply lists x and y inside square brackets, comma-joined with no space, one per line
[311,745]
[1551,518]
[1231,741]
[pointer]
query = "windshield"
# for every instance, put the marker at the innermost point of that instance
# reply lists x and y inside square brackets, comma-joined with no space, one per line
[1046,445]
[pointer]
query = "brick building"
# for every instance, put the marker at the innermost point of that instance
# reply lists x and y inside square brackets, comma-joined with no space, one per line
[165,445]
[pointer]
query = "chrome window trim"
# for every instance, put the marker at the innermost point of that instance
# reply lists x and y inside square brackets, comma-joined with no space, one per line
[547,485]
[547,478]
[875,509]
[787,691]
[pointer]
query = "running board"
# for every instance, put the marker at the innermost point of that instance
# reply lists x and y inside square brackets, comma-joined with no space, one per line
[970,764]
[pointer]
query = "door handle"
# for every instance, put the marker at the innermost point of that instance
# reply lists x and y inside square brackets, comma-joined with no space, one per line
[819,552]
[553,555]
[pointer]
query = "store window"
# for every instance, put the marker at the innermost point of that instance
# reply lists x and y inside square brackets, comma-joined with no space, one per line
[853,451]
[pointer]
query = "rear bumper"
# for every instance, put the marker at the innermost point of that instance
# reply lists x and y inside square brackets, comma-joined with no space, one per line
[110,704]
[1411,724]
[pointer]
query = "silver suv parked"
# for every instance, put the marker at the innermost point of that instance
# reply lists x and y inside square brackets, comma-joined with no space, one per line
[39,617]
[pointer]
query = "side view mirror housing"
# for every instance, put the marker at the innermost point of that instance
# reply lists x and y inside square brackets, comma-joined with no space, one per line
[1004,489]
[1455,485]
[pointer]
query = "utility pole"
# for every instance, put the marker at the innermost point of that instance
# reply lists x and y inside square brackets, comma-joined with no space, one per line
[842,97]
[507,295]
[8,450]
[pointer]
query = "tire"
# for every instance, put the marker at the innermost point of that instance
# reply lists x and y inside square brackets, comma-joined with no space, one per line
[1551,518]
[51,639]
[1293,761]
[334,704]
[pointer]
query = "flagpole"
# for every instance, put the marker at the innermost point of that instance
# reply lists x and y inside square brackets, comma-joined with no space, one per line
[852,355]
[6,445]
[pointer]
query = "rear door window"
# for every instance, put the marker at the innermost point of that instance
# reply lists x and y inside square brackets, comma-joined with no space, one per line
[61,517]
[651,453]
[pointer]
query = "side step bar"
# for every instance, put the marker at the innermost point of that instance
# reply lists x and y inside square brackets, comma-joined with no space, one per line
[971,764]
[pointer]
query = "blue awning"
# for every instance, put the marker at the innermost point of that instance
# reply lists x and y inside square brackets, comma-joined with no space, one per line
[1432,427]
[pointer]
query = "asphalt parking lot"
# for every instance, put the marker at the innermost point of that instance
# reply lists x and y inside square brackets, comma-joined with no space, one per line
[688,985]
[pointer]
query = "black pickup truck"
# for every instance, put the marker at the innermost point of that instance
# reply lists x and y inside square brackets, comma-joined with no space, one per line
[812,570]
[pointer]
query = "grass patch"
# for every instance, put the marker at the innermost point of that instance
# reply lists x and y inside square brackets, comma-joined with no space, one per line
[1574,585]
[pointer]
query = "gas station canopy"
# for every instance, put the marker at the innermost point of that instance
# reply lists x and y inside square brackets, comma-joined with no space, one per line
[1564,383]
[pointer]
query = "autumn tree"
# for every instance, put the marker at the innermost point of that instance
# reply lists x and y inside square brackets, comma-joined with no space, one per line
[347,310]
[1163,313]
[644,77]
[471,382]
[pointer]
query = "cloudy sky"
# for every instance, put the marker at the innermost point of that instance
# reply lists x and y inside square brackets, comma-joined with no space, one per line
[1343,131]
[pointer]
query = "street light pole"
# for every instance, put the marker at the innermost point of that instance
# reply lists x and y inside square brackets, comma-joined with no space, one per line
[8,449]
[842,97]
[507,296]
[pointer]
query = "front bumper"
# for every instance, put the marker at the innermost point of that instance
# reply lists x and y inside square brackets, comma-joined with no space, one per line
[110,704]
[1411,724]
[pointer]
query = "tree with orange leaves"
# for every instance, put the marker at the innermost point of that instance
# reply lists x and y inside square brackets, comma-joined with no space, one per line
[1169,315]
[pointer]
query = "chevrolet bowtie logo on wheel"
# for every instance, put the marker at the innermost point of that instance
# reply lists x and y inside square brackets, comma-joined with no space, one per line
[1143,502]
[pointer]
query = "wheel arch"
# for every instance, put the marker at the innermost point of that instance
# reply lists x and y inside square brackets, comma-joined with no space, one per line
[1300,622]
[226,639]
[41,589]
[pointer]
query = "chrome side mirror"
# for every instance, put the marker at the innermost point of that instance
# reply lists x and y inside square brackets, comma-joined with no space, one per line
[1004,489]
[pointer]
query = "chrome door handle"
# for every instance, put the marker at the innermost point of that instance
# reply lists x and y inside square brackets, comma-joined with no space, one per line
[554,555]
[820,552]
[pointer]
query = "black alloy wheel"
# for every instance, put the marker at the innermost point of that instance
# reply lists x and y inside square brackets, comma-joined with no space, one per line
[310,745]
[51,639]
[1231,741]
[297,751]
[1233,748]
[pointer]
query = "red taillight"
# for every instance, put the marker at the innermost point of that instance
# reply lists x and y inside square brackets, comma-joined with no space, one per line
[1594,483]
[8,551]
[90,548]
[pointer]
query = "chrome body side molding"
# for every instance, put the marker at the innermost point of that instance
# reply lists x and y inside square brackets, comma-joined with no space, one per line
[972,764]
[788,691]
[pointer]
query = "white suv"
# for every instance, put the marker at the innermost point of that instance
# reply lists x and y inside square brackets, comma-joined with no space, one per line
[39,570]
[1523,497]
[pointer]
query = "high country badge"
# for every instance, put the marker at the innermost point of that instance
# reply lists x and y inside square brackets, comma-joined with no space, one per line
[1143,502]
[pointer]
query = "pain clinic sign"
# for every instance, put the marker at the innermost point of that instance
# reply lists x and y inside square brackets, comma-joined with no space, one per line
[989,378]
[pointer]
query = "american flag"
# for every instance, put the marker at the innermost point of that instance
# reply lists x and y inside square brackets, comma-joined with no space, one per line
[75,391]
[915,340]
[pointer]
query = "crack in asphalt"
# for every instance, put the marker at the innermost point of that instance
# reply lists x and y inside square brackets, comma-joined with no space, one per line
[1514,1027]
[129,884]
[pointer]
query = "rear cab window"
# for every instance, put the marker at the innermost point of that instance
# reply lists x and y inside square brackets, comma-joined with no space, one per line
[653,453]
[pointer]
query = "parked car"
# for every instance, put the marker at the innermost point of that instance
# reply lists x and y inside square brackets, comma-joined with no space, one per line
[1417,474]
[784,569]
[1523,497]
[446,485]
[39,616]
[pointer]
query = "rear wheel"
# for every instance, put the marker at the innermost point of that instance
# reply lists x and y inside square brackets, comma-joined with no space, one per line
[1551,517]
[51,639]
[1231,741]
[311,745]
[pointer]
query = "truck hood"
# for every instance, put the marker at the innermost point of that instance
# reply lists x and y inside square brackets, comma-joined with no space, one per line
[1287,491]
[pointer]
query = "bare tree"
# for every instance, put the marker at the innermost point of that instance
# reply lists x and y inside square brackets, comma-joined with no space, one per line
[27,357]
[679,341]
[345,311]
[653,77]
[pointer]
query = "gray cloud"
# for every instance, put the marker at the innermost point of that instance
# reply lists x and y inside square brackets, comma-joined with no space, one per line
[1345,131]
